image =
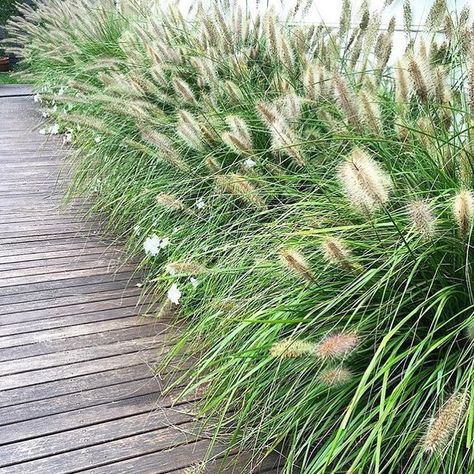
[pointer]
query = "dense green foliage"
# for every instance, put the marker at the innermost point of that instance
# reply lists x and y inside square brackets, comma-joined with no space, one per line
[305,205]
[7,9]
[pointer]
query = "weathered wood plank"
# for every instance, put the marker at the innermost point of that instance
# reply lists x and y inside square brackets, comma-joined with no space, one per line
[77,391]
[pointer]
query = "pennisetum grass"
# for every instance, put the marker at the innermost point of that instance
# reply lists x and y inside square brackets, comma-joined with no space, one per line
[288,182]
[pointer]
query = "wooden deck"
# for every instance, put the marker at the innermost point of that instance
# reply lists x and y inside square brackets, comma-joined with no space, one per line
[77,391]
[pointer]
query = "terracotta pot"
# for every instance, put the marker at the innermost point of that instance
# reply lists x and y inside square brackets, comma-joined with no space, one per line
[4,64]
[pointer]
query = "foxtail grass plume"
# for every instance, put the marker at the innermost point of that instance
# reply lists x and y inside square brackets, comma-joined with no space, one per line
[334,377]
[347,101]
[184,91]
[370,112]
[170,202]
[291,349]
[297,263]
[233,92]
[290,106]
[365,183]
[239,186]
[470,82]
[419,73]
[335,252]
[165,148]
[189,130]
[402,85]
[268,113]
[443,426]
[239,138]
[185,268]
[285,141]
[463,210]
[336,346]
[422,218]
[213,165]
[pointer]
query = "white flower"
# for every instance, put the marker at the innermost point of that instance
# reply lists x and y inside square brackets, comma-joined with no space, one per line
[67,137]
[61,91]
[37,98]
[55,109]
[97,139]
[136,230]
[152,245]
[174,294]
[44,114]
[42,131]
[200,203]
[249,163]
[164,243]
[54,129]
[194,282]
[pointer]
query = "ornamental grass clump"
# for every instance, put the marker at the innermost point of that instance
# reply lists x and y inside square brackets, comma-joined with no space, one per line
[301,195]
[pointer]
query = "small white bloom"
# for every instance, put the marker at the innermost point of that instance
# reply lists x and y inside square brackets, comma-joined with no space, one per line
[136,230]
[174,294]
[54,129]
[194,282]
[152,245]
[44,114]
[37,98]
[61,91]
[97,139]
[249,163]
[42,131]
[55,109]
[164,243]
[200,203]
[139,285]
[67,137]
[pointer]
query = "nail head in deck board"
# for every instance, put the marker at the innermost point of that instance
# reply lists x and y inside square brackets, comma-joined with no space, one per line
[77,382]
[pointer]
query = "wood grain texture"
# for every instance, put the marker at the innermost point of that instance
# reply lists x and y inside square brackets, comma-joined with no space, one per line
[78,344]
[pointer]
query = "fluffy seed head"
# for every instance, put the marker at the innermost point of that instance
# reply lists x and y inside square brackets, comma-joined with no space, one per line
[213,165]
[419,75]
[239,186]
[185,268]
[165,148]
[442,427]
[189,130]
[268,113]
[337,345]
[347,101]
[183,90]
[285,141]
[463,210]
[370,112]
[335,377]
[239,137]
[422,218]
[297,263]
[335,252]
[365,183]
[402,84]
[291,349]
[170,202]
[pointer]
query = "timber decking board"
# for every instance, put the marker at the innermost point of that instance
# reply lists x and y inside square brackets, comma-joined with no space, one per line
[77,344]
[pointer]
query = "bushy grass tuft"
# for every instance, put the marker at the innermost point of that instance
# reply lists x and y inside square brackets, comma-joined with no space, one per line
[303,203]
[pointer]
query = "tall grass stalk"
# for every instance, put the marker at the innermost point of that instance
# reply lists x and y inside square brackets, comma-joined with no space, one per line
[305,201]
